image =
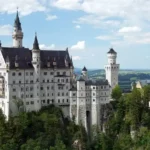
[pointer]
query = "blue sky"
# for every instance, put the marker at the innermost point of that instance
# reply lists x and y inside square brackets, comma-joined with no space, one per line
[87,27]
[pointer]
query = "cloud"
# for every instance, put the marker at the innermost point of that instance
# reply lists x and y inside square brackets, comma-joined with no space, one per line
[66,4]
[77,26]
[6,30]
[105,37]
[44,47]
[93,55]
[51,17]
[76,58]
[129,29]
[79,46]
[25,7]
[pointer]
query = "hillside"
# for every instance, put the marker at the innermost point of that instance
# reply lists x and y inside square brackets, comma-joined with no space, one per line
[126,76]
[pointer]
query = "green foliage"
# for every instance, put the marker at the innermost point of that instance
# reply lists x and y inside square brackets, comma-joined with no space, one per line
[116,93]
[43,130]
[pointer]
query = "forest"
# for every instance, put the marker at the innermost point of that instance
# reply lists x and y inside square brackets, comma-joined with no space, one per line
[127,128]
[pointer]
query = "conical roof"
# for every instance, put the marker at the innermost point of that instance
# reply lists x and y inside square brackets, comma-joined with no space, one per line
[36,44]
[17,23]
[111,51]
[84,69]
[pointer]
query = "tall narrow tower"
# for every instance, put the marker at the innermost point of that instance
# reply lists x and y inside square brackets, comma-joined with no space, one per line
[36,61]
[17,33]
[112,68]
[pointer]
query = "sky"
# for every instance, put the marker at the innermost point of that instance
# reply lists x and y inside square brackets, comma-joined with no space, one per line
[89,28]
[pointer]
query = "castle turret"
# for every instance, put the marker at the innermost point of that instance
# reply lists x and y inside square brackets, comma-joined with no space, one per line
[112,69]
[17,33]
[84,73]
[81,103]
[37,67]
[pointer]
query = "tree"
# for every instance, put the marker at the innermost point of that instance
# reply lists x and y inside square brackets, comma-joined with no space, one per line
[116,93]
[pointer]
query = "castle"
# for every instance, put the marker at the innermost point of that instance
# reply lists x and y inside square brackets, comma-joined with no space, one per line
[42,77]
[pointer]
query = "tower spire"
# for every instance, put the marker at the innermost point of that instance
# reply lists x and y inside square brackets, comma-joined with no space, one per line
[17,23]
[36,44]
[17,33]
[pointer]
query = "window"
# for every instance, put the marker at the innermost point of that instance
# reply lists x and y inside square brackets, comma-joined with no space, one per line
[43,101]
[43,81]
[52,94]
[26,88]
[52,80]
[13,74]
[47,81]
[62,94]
[19,82]
[66,80]
[63,100]
[45,73]
[31,88]
[22,89]
[26,81]
[32,102]
[48,87]
[41,88]
[64,73]
[14,90]
[67,100]
[51,73]
[27,103]
[13,97]
[58,80]
[52,101]
[93,94]
[26,73]
[93,87]
[66,94]
[58,94]
[74,94]
[58,100]
[93,100]
[31,96]
[31,81]
[22,96]
[58,73]
[31,73]
[48,94]
[19,73]
[14,82]
[66,87]
[48,101]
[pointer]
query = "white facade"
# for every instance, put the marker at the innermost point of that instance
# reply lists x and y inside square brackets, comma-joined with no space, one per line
[39,78]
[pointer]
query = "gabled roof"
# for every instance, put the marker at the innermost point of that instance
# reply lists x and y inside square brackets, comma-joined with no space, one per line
[73,88]
[111,51]
[80,79]
[84,69]
[97,82]
[25,57]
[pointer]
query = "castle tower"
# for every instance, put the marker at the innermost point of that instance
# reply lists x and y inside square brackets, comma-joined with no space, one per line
[36,64]
[112,68]
[84,73]
[17,33]
[81,103]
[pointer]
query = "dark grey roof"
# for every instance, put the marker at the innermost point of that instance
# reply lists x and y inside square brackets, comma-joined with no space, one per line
[84,69]
[24,57]
[80,79]
[111,51]
[73,88]
[36,44]
[17,23]
[96,82]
